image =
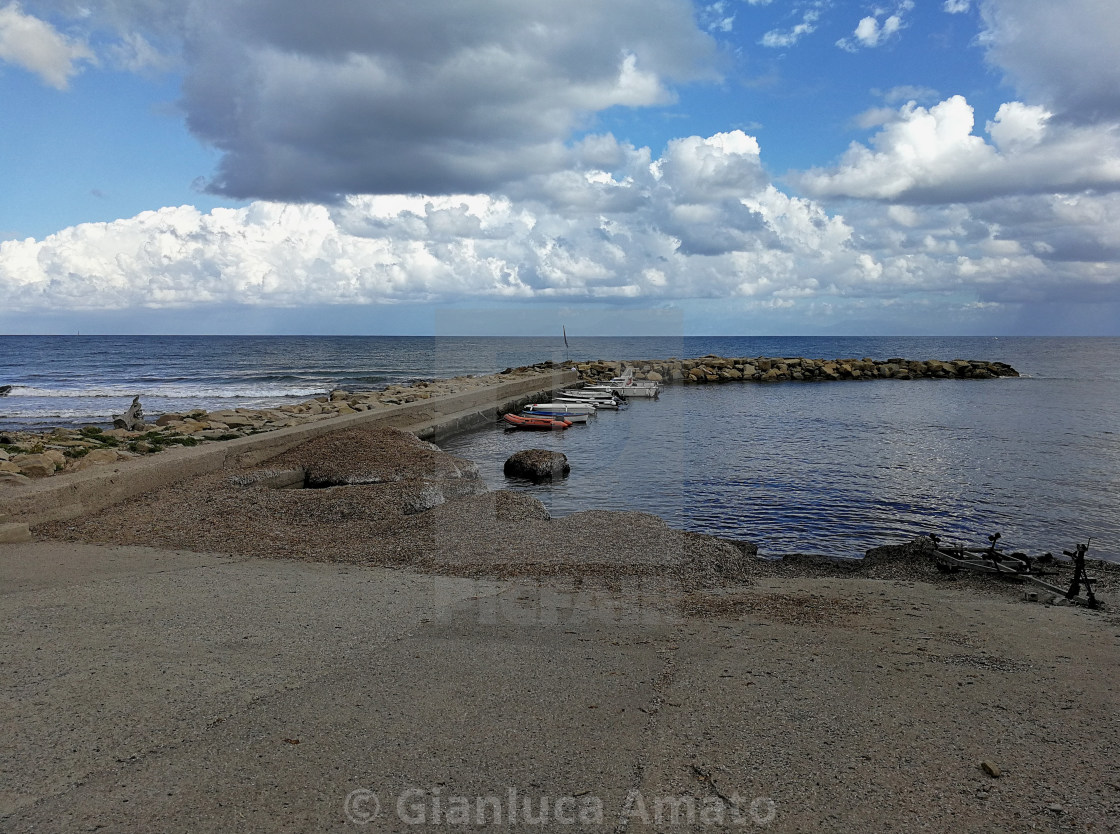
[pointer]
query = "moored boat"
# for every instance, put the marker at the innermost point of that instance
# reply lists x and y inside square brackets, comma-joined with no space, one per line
[630,387]
[585,407]
[557,413]
[587,395]
[540,423]
[561,411]
[609,402]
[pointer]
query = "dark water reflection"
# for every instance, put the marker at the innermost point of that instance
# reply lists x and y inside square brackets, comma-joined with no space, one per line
[840,467]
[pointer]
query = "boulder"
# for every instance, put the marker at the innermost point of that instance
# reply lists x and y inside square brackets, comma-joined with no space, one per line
[165,419]
[35,466]
[97,457]
[14,533]
[537,465]
[132,419]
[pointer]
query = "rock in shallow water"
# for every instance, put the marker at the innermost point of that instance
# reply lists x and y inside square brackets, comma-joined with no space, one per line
[537,465]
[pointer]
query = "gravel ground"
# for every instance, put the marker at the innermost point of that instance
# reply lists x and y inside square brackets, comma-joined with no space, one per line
[400,502]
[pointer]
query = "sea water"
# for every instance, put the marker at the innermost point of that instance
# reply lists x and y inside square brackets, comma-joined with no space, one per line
[796,467]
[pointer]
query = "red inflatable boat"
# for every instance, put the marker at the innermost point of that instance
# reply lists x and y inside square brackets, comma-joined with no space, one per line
[521,422]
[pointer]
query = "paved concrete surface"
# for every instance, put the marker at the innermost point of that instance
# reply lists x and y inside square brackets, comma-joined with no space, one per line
[150,690]
[145,690]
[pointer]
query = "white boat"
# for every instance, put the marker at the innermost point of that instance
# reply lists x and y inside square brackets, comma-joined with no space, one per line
[557,411]
[585,406]
[585,394]
[609,403]
[630,387]
[600,399]
[627,386]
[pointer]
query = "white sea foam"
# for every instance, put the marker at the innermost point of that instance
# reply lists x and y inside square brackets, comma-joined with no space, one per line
[176,392]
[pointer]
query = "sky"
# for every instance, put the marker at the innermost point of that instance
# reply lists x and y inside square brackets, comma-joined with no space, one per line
[741,167]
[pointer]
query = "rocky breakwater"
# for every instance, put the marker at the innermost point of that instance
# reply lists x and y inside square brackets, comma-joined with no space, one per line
[717,369]
[26,455]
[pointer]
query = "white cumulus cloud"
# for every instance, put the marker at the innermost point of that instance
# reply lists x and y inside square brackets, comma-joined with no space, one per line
[933,156]
[700,222]
[875,30]
[36,46]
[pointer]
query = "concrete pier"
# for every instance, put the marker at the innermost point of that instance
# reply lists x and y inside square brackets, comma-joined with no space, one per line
[73,494]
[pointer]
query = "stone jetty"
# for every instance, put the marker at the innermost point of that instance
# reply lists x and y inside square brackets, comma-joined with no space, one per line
[717,369]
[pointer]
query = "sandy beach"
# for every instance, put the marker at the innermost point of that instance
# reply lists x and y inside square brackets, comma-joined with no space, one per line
[410,651]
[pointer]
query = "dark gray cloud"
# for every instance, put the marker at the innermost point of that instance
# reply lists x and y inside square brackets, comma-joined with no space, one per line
[314,100]
[1061,53]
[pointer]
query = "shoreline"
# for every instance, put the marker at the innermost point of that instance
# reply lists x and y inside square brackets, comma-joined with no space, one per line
[184,439]
[39,454]
[376,495]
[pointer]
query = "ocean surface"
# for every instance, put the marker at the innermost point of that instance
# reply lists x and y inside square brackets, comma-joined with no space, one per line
[795,467]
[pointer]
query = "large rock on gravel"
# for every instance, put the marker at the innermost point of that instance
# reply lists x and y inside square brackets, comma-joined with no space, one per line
[537,465]
[14,533]
[35,466]
[97,457]
[918,549]
[376,456]
[423,475]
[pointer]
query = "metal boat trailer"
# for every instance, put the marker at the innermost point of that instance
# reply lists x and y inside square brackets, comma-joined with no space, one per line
[1018,566]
